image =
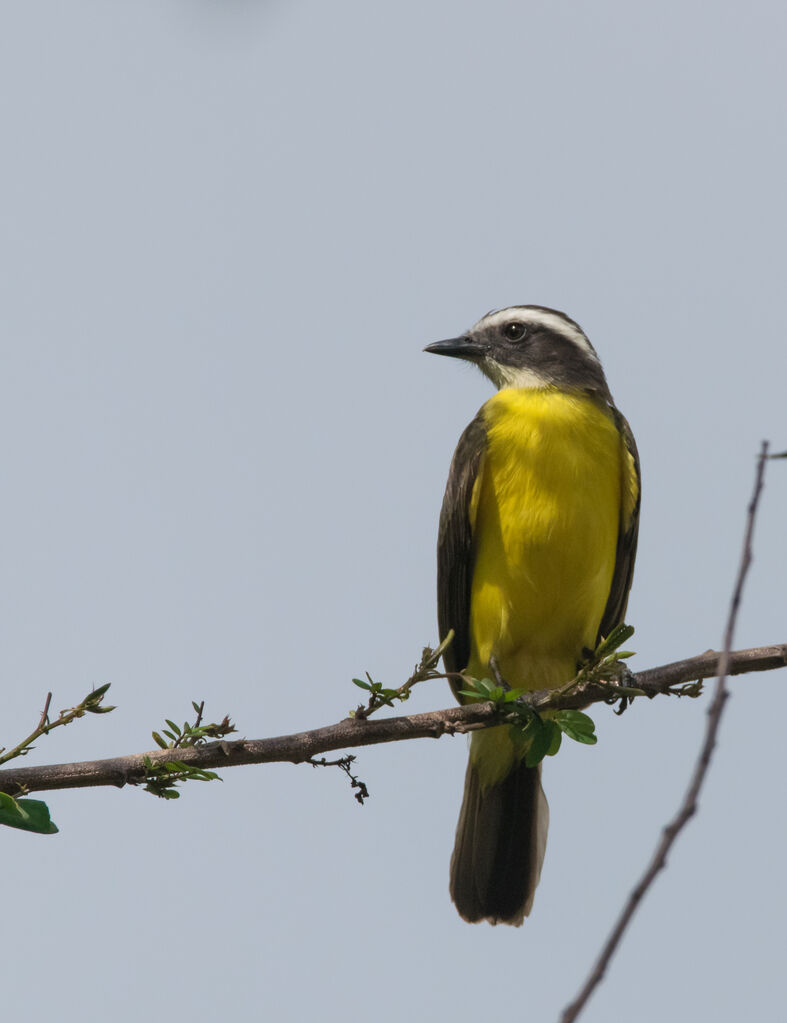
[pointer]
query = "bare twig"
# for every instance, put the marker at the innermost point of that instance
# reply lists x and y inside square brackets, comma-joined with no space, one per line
[344,764]
[762,658]
[351,732]
[689,805]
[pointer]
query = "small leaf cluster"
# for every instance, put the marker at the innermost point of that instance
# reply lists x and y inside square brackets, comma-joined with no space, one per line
[92,703]
[425,670]
[195,734]
[541,737]
[161,779]
[605,663]
[379,695]
[533,736]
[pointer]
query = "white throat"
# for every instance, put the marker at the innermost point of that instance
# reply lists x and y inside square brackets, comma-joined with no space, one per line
[512,376]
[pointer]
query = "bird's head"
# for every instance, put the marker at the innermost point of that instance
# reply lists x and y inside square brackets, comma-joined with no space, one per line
[530,346]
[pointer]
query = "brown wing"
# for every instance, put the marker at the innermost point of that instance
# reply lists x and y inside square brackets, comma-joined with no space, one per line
[455,553]
[627,536]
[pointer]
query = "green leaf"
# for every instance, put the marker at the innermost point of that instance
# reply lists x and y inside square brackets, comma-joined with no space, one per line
[361,684]
[577,726]
[38,813]
[584,737]
[615,639]
[575,719]
[173,726]
[540,743]
[159,741]
[557,738]
[27,815]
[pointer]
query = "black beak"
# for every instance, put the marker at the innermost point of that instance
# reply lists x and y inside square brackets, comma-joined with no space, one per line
[460,347]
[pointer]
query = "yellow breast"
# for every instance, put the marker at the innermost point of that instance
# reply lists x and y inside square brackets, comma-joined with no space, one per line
[546,511]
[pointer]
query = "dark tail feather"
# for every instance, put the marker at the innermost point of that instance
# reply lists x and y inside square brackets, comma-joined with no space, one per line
[500,843]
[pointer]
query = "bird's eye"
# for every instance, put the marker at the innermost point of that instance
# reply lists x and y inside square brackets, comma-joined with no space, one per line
[514,331]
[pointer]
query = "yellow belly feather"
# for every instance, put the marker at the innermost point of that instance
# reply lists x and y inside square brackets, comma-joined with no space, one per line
[546,511]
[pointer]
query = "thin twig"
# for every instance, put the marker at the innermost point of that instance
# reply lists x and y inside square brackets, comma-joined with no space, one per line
[45,714]
[424,671]
[344,764]
[92,703]
[689,805]
[659,680]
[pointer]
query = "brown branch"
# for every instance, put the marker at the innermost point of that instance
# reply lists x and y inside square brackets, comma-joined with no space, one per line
[741,662]
[352,732]
[688,807]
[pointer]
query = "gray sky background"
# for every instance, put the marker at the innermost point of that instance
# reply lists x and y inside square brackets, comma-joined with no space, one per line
[228,229]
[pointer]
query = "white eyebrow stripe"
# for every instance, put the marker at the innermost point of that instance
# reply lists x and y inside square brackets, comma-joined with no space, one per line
[540,318]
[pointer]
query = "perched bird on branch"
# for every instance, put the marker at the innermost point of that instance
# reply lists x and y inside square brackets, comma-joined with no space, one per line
[537,539]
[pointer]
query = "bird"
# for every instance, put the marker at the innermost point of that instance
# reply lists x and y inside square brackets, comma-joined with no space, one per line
[536,546]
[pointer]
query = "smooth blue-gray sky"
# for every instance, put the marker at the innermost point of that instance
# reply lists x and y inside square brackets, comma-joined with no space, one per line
[228,229]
